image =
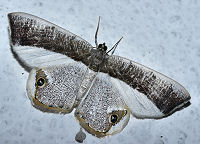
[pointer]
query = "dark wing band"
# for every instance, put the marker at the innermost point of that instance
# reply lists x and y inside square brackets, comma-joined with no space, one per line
[165,93]
[29,30]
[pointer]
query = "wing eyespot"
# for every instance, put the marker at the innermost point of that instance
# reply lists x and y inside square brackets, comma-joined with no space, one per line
[113,118]
[40,82]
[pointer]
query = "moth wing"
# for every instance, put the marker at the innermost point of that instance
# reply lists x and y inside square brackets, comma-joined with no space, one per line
[53,56]
[55,88]
[147,93]
[32,40]
[102,103]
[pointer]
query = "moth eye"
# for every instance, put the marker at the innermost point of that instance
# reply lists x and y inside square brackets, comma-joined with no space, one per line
[40,82]
[113,118]
[105,48]
[100,45]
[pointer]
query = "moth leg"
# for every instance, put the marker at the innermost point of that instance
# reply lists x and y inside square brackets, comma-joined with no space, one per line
[97,33]
[85,85]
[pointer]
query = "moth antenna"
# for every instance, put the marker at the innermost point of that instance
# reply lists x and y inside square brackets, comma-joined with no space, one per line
[115,46]
[97,33]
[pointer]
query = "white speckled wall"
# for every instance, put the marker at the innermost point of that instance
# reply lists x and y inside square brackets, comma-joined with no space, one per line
[163,35]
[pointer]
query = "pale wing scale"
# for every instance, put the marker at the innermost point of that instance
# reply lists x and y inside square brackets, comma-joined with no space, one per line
[31,57]
[138,103]
[148,88]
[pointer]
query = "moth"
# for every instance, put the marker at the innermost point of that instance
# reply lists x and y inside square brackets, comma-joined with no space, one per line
[66,72]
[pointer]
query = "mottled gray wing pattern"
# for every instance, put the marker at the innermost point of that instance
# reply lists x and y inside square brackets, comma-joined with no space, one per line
[102,100]
[28,31]
[140,83]
[59,92]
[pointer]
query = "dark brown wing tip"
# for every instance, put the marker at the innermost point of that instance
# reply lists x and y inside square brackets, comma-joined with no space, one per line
[9,18]
[187,104]
[9,15]
[14,13]
[184,105]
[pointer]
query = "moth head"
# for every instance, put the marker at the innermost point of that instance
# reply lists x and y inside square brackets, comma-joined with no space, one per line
[47,92]
[104,124]
[102,47]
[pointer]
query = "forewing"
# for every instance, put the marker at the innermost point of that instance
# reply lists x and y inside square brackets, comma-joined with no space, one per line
[28,32]
[101,103]
[147,93]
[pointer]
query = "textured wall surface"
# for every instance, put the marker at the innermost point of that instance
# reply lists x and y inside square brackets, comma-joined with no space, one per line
[163,35]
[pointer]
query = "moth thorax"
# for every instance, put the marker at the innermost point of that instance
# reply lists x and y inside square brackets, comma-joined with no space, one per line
[98,58]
